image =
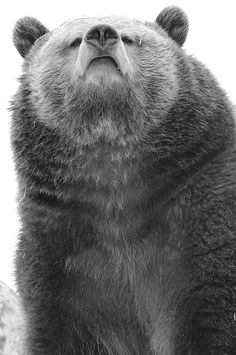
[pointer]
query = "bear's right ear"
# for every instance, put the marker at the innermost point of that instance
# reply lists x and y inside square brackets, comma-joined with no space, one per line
[27,30]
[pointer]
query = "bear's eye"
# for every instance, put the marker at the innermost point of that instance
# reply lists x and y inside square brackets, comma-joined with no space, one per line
[76,42]
[127,40]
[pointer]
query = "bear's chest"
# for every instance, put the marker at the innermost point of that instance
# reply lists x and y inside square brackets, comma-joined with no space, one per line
[132,282]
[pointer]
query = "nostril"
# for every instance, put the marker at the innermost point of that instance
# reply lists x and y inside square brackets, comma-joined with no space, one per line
[102,35]
[94,34]
[109,33]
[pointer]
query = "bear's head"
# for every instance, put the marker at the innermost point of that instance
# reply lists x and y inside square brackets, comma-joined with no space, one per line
[103,93]
[111,78]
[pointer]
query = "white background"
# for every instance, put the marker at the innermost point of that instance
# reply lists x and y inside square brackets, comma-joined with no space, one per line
[212,39]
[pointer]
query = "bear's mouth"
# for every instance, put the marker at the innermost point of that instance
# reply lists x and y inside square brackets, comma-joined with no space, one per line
[105,60]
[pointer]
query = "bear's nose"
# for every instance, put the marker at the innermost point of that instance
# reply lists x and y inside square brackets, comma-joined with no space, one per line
[101,36]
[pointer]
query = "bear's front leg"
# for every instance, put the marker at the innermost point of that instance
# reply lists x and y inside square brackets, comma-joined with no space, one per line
[68,313]
[51,331]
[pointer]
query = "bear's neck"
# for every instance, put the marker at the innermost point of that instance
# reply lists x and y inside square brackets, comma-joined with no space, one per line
[121,195]
[113,189]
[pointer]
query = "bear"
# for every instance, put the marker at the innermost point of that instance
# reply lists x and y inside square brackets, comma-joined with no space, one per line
[124,148]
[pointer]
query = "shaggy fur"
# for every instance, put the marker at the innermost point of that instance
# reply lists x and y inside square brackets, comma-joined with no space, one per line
[127,194]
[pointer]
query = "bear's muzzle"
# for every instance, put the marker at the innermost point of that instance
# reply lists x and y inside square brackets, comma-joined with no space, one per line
[103,41]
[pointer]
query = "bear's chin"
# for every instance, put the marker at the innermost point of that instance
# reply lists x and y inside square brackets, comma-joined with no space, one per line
[102,89]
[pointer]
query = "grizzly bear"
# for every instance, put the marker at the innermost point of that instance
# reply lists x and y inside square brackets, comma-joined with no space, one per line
[124,148]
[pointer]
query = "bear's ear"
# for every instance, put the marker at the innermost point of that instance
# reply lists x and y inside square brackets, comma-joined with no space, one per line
[175,22]
[27,30]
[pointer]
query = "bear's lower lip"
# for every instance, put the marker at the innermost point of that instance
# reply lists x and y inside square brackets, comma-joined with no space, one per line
[105,62]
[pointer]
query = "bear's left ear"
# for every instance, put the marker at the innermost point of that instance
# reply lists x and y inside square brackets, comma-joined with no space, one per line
[27,30]
[175,22]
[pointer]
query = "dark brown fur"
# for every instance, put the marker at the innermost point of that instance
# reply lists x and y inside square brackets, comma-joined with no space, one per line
[127,198]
